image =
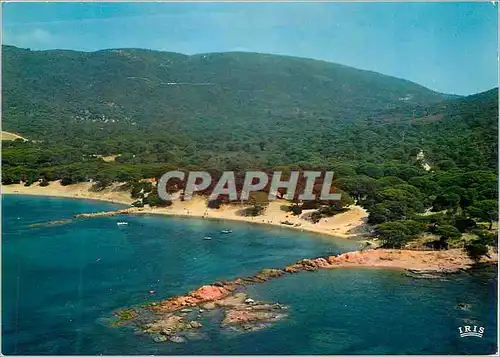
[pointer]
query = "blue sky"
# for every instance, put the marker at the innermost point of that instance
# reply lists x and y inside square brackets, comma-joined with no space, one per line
[448,47]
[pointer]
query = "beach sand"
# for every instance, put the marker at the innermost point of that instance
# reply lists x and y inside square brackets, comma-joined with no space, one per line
[78,190]
[340,225]
[347,224]
[436,261]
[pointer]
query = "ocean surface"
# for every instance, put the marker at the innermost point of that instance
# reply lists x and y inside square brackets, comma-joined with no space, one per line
[62,283]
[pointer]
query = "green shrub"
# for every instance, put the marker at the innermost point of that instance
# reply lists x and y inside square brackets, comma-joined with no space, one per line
[476,250]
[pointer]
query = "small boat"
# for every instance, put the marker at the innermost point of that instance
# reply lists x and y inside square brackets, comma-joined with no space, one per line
[226,231]
[122,223]
[207,238]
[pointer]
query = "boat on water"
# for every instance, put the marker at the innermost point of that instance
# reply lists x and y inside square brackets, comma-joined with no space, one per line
[226,231]
[207,238]
[122,223]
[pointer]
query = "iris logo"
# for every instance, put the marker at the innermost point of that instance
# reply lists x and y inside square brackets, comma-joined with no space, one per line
[471,331]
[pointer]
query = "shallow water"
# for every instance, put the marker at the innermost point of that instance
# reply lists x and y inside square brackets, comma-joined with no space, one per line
[62,283]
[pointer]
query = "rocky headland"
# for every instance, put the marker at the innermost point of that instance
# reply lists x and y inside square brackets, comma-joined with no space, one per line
[181,318]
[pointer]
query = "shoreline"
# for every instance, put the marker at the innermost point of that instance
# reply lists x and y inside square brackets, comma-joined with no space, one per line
[67,197]
[81,192]
[339,226]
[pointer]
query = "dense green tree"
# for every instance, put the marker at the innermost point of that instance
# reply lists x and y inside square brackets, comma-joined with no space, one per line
[371,170]
[476,250]
[446,201]
[398,233]
[486,210]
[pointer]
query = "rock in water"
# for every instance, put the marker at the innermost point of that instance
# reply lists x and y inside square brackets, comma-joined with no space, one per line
[195,324]
[464,306]
[209,306]
[177,339]
[159,338]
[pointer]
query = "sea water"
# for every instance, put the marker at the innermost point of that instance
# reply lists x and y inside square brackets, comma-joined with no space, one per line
[61,284]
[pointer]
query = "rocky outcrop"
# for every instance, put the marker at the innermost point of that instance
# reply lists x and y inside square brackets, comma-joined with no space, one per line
[130,210]
[206,293]
[177,319]
[170,321]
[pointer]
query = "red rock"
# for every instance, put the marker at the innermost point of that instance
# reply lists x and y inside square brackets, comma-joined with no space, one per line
[321,262]
[332,259]
[209,293]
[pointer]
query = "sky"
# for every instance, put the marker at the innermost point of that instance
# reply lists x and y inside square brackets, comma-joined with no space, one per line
[448,47]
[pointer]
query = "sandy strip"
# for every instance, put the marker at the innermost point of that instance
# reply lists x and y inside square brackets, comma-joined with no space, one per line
[341,225]
[431,261]
[11,136]
[338,226]
[78,190]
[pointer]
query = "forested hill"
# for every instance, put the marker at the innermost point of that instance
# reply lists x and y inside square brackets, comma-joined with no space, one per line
[58,92]
[227,111]
[398,148]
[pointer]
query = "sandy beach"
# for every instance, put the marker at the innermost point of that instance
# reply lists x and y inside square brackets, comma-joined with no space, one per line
[346,225]
[81,190]
[342,225]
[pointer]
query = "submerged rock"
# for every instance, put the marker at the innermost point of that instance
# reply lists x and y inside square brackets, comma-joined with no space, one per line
[209,306]
[159,338]
[167,325]
[464,306]
[247,317]
[253,327]
[420,275]
[124,316]
[177,339]
[233,300]
[195,324]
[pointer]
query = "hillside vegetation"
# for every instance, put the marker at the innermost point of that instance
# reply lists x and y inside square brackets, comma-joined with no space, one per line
[216,109]
[399,149]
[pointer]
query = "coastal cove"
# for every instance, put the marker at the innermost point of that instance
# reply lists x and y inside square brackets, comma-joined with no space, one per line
[347,224]
[66,281]
[235,179]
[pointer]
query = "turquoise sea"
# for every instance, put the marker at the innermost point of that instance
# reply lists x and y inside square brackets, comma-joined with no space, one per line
[61,284]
